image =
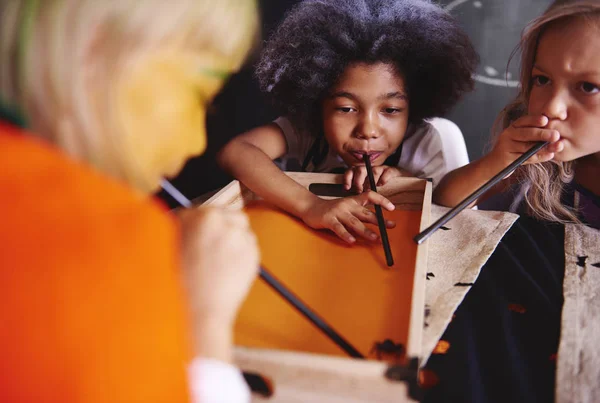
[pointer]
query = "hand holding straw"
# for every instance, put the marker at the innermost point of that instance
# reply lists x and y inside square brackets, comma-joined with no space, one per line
[281,289]
[420,238]
[380,220]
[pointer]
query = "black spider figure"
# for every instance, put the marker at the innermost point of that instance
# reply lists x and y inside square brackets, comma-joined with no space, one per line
[388,348]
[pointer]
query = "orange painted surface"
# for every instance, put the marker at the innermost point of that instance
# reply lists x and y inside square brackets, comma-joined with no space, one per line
[92,309]
[351,287]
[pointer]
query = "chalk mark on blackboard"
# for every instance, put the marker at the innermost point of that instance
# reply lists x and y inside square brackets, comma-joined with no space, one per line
[498,82]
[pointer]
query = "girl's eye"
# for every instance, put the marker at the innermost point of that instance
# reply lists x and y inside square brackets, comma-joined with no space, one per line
[540,80]
[345,109]
[392,111]
[589,88]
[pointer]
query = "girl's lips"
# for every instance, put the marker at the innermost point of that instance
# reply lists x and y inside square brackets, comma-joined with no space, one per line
[373,155]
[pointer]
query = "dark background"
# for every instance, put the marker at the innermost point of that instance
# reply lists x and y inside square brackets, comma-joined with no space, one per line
[494,26]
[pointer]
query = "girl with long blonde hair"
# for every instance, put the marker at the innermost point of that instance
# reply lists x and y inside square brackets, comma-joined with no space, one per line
[99,79]
[526,330]
[106,296]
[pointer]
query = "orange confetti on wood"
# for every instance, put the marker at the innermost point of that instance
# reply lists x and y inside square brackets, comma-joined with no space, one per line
[441,348]
[428,379]
[517,308]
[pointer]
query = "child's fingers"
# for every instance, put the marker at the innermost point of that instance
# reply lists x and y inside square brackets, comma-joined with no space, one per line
[545,157]
[365,215]
[533,135]
[541,156]
[358,182]
[555,147]
[377,172]
[521,147]
[237,219]
[341,231]
[531,121]
[381,180]
[376,198]
[358,227]
[348,175]
[546,154]
[387,175]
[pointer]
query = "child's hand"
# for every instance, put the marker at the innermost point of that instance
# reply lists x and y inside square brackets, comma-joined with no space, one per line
[521,136]
[220,262]
[356,177]
[347,215]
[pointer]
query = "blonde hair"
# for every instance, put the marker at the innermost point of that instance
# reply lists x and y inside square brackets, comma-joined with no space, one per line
[55,51]
[543,184]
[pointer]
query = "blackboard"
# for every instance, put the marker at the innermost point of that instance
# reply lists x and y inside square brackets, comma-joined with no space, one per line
[495,28]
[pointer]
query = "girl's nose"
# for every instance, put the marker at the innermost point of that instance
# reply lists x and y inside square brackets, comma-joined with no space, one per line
[555,106]
[367,128]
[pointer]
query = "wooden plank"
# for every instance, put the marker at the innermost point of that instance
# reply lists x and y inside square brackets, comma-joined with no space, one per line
[304,377]
[417,318]
[405,192]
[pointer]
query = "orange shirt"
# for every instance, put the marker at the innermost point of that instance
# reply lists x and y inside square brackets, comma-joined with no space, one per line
[91,309]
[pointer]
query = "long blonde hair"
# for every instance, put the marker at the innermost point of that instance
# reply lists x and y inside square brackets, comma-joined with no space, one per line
[51,50]
[543,184]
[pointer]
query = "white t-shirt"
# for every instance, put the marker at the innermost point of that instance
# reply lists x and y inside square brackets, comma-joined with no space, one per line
[426,152]
[214,381]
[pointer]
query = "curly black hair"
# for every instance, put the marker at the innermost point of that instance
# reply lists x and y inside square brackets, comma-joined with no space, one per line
[318,39]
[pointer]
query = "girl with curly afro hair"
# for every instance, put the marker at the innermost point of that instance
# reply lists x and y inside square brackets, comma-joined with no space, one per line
[353,77]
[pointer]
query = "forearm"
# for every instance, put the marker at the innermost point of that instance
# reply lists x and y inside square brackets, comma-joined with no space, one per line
[213,377]
[256,170]
[213,339]
[461,182]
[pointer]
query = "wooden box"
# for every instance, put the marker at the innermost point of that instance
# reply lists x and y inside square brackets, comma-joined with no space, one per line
[299,376]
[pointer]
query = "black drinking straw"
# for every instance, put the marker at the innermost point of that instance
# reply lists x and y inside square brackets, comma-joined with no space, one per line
[281,289]
[419,239]
[309,314]
[380,220]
